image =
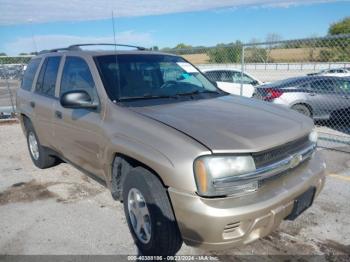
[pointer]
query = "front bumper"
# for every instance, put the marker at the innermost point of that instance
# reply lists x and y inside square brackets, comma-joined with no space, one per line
[219,223]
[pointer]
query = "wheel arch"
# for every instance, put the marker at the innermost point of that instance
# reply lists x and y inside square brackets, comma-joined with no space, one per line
[120,167]
[24,119]
[304,104]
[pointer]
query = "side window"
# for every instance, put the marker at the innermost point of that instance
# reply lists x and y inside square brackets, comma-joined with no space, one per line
[213,75]
[322,85]
[248,79]
[77,76]
[226,76]
[29,74]
[47,78]
[236,76]
[345,86]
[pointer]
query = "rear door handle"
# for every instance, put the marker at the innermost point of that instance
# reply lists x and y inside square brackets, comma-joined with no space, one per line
[58,114]
[312,94]
[32,104]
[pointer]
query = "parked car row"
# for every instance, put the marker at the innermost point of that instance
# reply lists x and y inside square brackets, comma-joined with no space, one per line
[341,72]
[12,71]
[321,96]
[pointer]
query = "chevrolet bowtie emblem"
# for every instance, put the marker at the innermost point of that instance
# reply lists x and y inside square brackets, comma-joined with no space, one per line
[296,159]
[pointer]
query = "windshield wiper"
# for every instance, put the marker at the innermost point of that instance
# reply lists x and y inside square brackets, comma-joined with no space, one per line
[175,96]
[198,92]
[146,97]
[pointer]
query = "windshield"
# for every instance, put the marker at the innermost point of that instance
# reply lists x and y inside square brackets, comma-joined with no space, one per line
[136,76]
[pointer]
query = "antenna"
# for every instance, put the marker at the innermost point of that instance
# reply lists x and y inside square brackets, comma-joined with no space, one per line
[31,32]
[115,41]
[116,58]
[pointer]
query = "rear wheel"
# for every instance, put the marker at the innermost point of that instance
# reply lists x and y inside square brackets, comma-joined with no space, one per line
[37,152]
[149,214]
[302,109]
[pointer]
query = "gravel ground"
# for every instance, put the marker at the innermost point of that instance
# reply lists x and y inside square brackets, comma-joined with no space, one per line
[61,211]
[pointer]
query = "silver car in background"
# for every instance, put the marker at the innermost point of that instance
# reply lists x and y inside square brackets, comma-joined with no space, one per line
[341,72]
[319,97]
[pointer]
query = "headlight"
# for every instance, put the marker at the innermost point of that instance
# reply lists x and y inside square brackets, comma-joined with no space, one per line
[212,171]
[313,136]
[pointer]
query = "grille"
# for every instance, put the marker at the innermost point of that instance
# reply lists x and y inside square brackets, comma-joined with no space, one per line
[278,153]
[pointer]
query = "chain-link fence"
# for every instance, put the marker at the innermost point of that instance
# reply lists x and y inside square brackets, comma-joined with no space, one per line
[11,72]
[311,76]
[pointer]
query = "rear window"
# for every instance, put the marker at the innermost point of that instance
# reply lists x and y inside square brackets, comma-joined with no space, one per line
[29,74]
[47,78]
[296,81]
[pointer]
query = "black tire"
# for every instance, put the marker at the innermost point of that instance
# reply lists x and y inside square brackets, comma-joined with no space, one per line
[165,238]
[44,160]
[302,109]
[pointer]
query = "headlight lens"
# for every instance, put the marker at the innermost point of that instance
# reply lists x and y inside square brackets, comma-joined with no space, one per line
[209,169]
[313,136]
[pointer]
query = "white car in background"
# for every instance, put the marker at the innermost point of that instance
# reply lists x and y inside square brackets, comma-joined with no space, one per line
[229,80]
[340,72]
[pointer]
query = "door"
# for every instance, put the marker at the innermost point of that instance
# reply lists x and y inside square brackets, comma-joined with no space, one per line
[322,97]
[342,114]
[79,130]
[42,99]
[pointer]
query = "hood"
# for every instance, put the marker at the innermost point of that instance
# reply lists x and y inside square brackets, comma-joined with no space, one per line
[231,123]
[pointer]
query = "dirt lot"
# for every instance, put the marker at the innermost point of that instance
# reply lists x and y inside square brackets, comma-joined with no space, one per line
[61,211]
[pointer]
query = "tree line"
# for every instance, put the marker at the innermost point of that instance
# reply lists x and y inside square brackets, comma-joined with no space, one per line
[316,50]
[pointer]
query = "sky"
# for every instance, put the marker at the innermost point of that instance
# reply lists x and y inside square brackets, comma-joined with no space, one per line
[31,25]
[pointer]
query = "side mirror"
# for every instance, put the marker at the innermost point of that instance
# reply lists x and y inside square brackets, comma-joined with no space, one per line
[77,99]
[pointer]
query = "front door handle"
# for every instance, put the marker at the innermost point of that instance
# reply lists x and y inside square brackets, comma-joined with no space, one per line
[312,94]
[58,114]
[32,104]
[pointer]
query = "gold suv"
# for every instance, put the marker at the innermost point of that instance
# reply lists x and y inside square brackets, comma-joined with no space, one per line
[189,162]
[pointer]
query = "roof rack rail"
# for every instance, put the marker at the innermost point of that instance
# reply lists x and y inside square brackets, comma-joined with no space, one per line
[51,50]
[77,47]
[108,44]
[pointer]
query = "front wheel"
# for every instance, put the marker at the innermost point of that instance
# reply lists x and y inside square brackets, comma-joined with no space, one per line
[149,214]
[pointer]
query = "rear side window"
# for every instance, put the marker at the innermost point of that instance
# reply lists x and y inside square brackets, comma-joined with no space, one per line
[29,74]
[47,78]
[323,85]
[77,76]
